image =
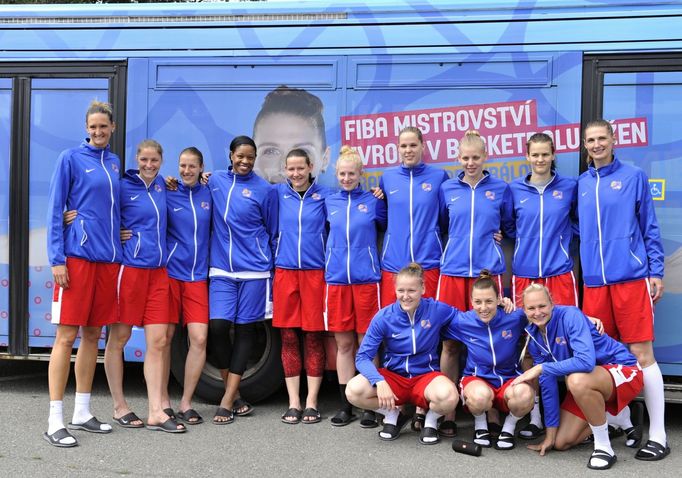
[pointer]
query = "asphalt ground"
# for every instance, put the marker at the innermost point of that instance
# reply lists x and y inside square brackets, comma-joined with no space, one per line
[260,445]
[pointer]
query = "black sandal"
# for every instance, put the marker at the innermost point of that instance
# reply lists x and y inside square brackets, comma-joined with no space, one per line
[223,413]
[447,429]
[56,438]
[531,432]
[294,413]
[126,421]
[483,437]
[418,422]
[429,436]
[505,438]
[171,414]
[633,435]
[602,455]
[240,403]
[190,417]
[652,451]
[342,418]
[312,415]
[369,419]
[392,432]
[93,426]
[169,426]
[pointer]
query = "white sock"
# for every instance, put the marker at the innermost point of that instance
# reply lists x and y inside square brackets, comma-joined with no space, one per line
[56,418]
[510,423]
[601,442]
[622,420]
[81,408]
[535,417]
[431,419]
[654,398]
[390,416]
[480,422]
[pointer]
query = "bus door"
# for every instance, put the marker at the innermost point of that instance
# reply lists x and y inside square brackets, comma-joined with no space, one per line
[647,91]
[43,108]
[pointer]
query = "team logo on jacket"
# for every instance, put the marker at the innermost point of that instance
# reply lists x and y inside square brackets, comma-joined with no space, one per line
[507,334]
[560,341]
[246,193]
[205,205]
[157,188]
[616,185]
[362,208]
[426,324]
[426,187]
[490,195]
[557,195]
[316,196]
[114,168]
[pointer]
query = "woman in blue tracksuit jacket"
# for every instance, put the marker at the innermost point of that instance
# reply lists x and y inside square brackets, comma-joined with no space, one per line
[413,233]
[352,269]
[143,290]
[298,289]
[189,229]
[241,252]
[409,330]
[491,336]
[476,206]
[601,375]
[622,261]
[85,258]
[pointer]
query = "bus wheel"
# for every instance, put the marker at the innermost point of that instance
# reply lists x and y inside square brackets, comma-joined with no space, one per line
[263,375]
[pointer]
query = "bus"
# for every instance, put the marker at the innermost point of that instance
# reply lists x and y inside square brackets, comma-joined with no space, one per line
[199,74]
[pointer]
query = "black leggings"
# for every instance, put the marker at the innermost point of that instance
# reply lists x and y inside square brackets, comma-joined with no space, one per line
[226,355]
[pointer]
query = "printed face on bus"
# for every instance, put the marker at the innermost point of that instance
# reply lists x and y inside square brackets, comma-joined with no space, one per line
[484,303]
[409,290]
[243,158]
[148,162]
[472,158]
[277,134]
[298,172]
[190,169]
[99,129]
[540,157]
[538,307]
[599,144]
[348,174]
[410,148]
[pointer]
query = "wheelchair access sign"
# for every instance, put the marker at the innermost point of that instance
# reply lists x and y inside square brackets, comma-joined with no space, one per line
[657,187]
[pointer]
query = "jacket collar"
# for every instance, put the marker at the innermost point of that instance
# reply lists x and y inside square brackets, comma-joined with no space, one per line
[605,170]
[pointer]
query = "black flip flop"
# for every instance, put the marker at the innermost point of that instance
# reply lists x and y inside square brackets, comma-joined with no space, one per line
[343,418]
[56,438]
[126,421]
[369,419]
[223,413]
[240,403]
[93,426]
[601,454]
[190,417]
[313,416]
[169,426]
[294,413]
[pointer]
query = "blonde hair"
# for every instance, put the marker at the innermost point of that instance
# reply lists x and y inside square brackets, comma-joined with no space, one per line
[472,138]
[151,144]
[348,153]
[413,270]
[99,107]
[535,287]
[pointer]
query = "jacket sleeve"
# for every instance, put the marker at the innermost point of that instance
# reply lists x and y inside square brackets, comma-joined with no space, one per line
[452,330]
[60,186]
[368,350]
[508,222]
[549,389]
[575,225]
[646,216]
[579,339]
[381,214]
[271,217]
[443,216]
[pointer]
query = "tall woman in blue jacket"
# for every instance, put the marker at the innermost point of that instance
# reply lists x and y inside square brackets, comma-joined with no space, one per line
[298,289]
[409,330]
[241,252]
[143,291]
[601,375]
[85,258]
[352,270]
[189,228]
[414,208]
[476,206]
[622,262]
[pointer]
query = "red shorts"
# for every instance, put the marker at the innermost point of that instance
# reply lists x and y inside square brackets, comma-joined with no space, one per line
[498,393]
[143,296]
[563,288]
[350,307]
[409,390]
[628,381]
[388,286]
[189,299]
[456,291]
[298,299]
[625,309]
[90,300]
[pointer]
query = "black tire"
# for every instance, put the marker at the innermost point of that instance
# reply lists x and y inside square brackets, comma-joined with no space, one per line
[262,378]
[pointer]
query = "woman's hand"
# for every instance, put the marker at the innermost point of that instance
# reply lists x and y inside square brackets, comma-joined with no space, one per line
[598,324]
[529,375]
[171,183]
[547,444]
[656,288]
[203,179]
[70,216]
[378,193]
[61,276]
[386,396]
[497,236]
[125,235]
[507,304]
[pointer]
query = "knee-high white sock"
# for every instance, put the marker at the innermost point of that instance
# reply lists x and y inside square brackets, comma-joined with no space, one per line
[481,422]
[601,441]
[431,419]
[535,417]
[622,420]
[654,398]
[56,418]
[81,408]
[510,423]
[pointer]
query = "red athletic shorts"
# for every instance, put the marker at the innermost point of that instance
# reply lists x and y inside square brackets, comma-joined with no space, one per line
[90,300]
[498,393]
[456,291]
[628,381]
[388,286]
[409,390]
[298,299]
[350,307]
[625,309]
[563,288]
[143,296]
[189,299]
